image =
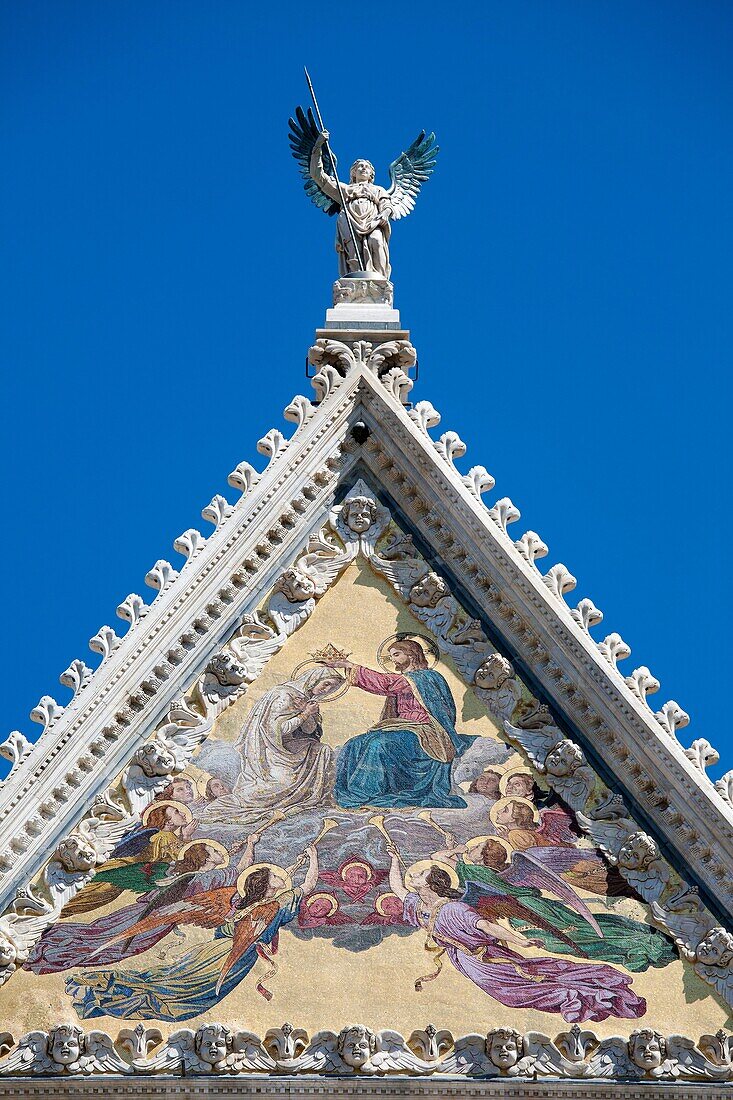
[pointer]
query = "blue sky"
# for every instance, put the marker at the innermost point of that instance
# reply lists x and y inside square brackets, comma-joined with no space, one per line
[566,277]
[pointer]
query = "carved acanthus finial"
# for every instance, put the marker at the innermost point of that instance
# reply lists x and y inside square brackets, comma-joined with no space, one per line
[702,754]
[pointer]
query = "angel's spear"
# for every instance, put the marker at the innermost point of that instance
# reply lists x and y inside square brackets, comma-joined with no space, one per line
[344,207]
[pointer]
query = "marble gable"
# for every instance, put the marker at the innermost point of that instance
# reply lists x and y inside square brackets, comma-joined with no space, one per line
[267,753]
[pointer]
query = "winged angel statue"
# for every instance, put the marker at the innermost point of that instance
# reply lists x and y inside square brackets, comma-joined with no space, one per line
[364,209]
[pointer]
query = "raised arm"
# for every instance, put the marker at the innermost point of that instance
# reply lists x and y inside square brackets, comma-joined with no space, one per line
[311,875]
[450,855]
[368,679]
[248,852]
[396,883]
[326,183]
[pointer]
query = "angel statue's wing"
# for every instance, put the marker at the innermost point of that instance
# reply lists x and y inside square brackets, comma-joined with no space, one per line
[409,172]
[303,133]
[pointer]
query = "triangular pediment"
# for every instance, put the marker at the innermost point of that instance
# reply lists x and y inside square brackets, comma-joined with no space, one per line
[288,572]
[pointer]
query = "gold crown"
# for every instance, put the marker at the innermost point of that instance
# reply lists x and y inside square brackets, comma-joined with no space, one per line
[330,653]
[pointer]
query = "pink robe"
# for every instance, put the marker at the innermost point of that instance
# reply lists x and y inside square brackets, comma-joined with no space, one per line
[578,991]
[400,699]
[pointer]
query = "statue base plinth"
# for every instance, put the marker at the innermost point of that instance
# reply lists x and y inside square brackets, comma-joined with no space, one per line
[363,301]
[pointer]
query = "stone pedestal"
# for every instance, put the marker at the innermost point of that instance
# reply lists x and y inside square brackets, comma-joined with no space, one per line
[362,301]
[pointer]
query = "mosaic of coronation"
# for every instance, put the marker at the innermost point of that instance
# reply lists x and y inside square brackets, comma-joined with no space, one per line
[405,826]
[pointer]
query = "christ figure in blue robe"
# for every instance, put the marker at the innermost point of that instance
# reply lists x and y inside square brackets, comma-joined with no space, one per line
[406,758]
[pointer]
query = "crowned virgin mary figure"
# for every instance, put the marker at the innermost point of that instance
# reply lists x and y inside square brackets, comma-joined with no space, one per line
[283,763]
[405,759]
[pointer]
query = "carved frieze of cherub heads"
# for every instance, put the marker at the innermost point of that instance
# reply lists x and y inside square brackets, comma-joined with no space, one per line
[428,591]
[76,854]
[213,1043]
[295,586]
[504,1047]
[564,759]
[359,513]
[494,672]
[638,852]
[647,1049]
[356,1044]
[66,1050]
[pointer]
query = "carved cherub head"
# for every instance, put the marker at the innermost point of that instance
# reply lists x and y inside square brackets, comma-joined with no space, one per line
[359,513]
[153,760]
[295,586]
[428,591]
[227,670]
[504,1047]
[356,1044]
[564,759]
[65,1044]
[8,955]
[647,1049]
[716,948]
[213,1043]
[76,854]
[362,171]
[493,673]
[638,852]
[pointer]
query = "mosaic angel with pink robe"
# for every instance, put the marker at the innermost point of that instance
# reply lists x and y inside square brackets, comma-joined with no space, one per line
[479,949]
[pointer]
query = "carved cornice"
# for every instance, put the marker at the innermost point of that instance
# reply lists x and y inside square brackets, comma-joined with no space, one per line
[227,1088]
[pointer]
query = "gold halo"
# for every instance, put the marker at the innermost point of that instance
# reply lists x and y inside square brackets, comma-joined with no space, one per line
[475,841]
[323,894]
[502,802]
[381,898]
[506,776]
[209,844]
[422,864]
[357,863]
[409,635]
[157,805]
[332,695]
[277,872]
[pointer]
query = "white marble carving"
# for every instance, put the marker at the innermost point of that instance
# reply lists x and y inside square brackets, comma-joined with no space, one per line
[213,1049]
[702,754]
